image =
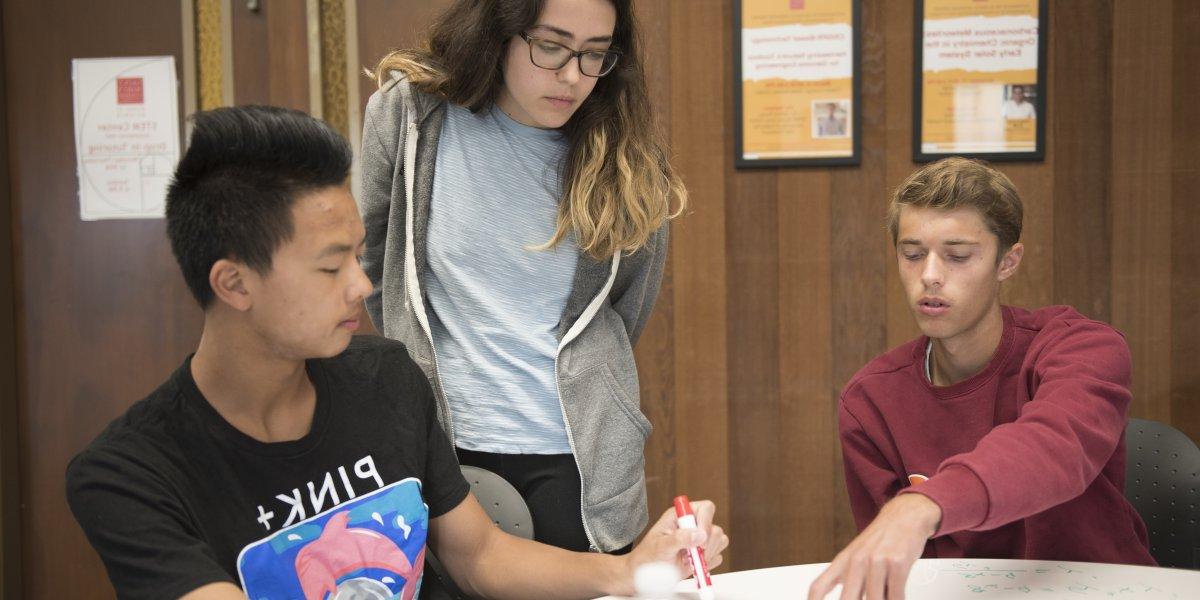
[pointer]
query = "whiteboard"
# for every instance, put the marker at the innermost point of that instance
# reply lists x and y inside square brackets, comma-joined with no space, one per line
[986,579]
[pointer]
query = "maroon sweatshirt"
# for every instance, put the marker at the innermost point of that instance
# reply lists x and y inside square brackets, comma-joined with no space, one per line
[1026,458]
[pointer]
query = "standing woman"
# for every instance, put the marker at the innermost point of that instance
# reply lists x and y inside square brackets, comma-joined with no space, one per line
[516,199]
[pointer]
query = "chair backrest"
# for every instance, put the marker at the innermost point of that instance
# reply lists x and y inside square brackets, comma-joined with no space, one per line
[1162,481]
[507,509]
[502,502]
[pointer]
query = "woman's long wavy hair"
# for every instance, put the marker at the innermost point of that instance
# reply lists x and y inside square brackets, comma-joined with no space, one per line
[618,184]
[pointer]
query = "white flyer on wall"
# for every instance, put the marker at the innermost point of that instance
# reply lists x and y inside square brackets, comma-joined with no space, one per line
[126,135]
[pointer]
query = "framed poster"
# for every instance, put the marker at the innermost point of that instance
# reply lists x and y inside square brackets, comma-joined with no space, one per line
[979,86]
[796,68]
[126,135]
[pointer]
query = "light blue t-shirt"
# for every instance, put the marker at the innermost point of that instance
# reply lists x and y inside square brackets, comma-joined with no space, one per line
[496,302]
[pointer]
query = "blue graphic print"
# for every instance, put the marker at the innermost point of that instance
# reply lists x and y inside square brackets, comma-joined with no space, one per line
[372,547]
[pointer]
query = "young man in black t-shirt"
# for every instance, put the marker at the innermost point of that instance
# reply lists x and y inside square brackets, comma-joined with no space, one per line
[285,459]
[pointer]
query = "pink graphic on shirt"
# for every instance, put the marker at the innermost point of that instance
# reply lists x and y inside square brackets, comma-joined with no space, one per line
[342,550]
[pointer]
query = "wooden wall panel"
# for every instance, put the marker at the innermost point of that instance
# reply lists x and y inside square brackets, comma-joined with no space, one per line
[1141,197]
[655,350]
[270,56]
[809,465]
[700,108]
[753,279]
[899,105]
[858,253]
[10,494]
[1185,220]
[1033,285]
[1079,138]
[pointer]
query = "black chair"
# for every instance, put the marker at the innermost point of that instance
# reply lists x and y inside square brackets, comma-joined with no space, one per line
[507,509]
[1162,481]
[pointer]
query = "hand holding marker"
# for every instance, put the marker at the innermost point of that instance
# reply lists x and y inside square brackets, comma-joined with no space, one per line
[687,520]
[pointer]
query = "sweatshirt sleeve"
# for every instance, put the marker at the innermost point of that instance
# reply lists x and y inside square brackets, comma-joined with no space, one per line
[635,301]
[870,480]
[380,140]
[1057,446]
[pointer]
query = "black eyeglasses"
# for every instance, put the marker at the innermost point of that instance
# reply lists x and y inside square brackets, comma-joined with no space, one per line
[554,56]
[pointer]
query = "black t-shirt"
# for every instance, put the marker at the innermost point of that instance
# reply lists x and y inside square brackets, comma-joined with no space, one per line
[173,497]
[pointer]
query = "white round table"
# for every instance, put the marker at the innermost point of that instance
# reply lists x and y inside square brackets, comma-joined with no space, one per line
[986,579]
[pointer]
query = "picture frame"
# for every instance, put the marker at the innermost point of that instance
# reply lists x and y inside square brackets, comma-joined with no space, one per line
[974,93]
[797,73]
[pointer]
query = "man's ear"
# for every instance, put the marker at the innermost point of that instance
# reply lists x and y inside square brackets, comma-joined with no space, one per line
[1010,261]
[227,279]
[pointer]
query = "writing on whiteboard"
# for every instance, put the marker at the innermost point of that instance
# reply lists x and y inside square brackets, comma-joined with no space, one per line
[1071,581]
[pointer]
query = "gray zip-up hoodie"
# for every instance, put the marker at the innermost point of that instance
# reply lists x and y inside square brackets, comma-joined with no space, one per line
[609,304]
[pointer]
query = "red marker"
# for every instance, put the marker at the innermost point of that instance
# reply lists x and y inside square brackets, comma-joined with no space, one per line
[686,519]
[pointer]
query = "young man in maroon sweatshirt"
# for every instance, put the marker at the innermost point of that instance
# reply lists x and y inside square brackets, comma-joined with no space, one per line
[998,433]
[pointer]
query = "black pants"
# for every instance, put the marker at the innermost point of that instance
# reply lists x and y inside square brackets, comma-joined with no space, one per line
[549,483]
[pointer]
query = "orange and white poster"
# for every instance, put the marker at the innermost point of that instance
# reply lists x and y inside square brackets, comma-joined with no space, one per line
[979,90]
[796,72]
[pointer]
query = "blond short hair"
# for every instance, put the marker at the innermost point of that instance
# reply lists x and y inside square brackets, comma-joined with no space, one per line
[957,182]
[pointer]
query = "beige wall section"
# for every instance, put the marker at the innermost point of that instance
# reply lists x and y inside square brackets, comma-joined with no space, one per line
[208,52]
[333,64]
[214,50]
[315,97]
[189,85]
[227,53]
[351,76]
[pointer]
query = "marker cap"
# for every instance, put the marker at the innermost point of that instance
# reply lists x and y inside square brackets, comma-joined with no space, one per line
[683,507]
